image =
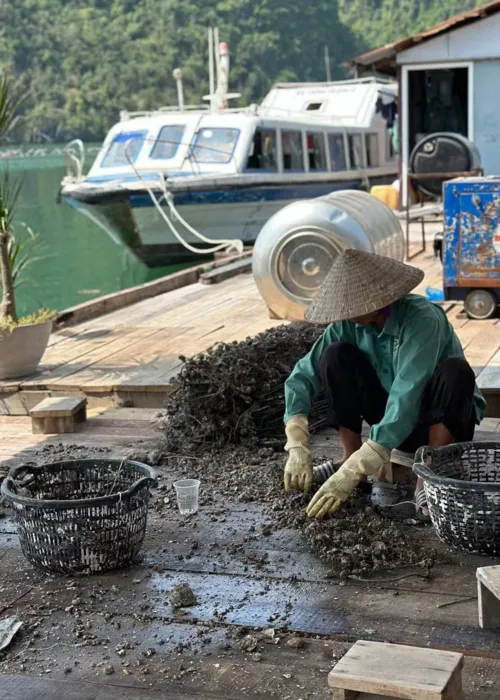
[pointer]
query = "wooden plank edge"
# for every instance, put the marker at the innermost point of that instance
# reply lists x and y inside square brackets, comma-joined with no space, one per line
[227,272]
[126,297]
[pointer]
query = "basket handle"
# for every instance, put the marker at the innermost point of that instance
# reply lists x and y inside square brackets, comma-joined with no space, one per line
[7,487]
[149,480]
[422,456]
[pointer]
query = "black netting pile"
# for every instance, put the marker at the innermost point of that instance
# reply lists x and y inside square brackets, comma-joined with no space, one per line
[234,393]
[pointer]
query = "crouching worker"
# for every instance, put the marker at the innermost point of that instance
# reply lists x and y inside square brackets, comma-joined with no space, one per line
[388,357]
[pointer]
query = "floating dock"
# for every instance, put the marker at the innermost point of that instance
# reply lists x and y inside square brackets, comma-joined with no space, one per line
[270,587]
[258,589]
[129,355]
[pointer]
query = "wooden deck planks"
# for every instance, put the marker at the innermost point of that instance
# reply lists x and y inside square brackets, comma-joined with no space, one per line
[137,348]
[489,378]
[115,429]
[483,346]
[317,605]
[219,678]
[129,364]
[51,379]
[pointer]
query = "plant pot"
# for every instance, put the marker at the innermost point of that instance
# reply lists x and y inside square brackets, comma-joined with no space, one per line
[22,349]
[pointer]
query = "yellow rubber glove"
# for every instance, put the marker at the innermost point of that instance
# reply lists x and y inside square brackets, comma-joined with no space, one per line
[337,489]
[298,469]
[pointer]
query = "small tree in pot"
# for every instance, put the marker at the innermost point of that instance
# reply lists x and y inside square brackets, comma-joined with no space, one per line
[22,341]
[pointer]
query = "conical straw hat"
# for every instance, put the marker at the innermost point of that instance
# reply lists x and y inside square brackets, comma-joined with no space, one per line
[360,283]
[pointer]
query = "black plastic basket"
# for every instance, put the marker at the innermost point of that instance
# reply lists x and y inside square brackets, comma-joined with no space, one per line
[462,486]
[80,516]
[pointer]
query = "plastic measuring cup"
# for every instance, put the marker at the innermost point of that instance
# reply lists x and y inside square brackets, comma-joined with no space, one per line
[187,492]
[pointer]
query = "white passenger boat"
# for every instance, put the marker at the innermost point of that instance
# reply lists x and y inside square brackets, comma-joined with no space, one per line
[172,183]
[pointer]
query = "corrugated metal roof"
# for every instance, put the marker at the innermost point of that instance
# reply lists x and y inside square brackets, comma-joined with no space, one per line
[382,59]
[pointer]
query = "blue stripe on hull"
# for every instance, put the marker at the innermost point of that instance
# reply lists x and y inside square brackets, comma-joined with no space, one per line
[246,195]
[238,212]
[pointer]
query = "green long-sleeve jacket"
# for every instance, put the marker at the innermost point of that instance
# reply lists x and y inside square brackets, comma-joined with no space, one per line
[416,337]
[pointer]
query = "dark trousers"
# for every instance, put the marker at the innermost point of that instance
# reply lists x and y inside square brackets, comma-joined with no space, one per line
[354,393]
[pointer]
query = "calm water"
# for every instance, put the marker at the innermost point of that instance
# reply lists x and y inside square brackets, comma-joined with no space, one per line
[78,261]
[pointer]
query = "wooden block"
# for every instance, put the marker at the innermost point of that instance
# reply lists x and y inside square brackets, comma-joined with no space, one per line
[399,672]
[395,473]
[53,426]
[454,689]
[59,407]
[58,414]
[338,694]
[488,593]
[490,577]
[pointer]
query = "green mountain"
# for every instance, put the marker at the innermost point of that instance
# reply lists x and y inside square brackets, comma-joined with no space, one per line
[378,22]
[79,62]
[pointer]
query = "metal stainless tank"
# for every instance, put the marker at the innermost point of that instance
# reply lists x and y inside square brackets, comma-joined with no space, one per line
[297,246]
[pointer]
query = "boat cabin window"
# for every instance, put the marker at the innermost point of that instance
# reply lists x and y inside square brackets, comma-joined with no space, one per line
[316,152]
[263,151]
[355,142]
[293,156]
[337,151]
[314,106]
[214,145]
[124,149]
[372,154]
[167,143]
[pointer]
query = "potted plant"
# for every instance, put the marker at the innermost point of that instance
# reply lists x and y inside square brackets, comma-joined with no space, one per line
[23,341]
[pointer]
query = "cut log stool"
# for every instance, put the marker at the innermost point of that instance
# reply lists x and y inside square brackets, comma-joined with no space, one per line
[396,671]
[58,414]
[488,594]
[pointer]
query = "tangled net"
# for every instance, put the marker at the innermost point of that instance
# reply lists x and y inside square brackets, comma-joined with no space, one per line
[234,393]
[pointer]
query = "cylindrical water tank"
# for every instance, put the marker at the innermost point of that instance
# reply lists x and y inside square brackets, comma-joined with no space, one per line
[297,246]
[442,153]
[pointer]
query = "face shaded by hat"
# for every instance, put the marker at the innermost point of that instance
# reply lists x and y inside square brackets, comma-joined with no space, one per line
[360,284]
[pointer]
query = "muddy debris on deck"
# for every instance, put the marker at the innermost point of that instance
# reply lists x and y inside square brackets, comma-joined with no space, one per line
[182,596]
[234,393]
[224,425]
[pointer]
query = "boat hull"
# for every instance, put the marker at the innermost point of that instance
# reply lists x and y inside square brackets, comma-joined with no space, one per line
[132,220]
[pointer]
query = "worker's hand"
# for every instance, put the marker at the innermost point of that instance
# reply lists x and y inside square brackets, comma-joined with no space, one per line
[298,469]
[337,489]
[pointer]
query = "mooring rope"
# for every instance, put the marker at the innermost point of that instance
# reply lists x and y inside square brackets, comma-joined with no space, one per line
[235,244]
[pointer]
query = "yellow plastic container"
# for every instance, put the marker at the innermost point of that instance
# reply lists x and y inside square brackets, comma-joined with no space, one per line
[387,194]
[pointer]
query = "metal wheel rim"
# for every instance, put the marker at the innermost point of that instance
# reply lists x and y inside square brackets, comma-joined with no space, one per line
[480,304]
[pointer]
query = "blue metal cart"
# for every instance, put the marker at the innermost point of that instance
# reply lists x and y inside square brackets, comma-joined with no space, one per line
[471,244]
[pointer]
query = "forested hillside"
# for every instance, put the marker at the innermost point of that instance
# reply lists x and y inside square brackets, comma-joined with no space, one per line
[377,22]
[81,61]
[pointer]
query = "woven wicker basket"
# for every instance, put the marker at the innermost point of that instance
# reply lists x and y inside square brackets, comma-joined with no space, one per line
[462,485]
[80,516]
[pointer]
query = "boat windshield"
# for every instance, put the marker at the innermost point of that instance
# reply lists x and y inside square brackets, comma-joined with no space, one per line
[124,149]
[168,141]
[214,145]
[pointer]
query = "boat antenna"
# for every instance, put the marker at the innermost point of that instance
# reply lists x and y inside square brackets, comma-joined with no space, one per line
[217,53]
[328,66]
[219,94]
[211,77]
[177,73]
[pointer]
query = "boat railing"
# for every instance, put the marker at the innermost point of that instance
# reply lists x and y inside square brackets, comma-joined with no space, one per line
[74,154]
[370,80]
[124,115]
